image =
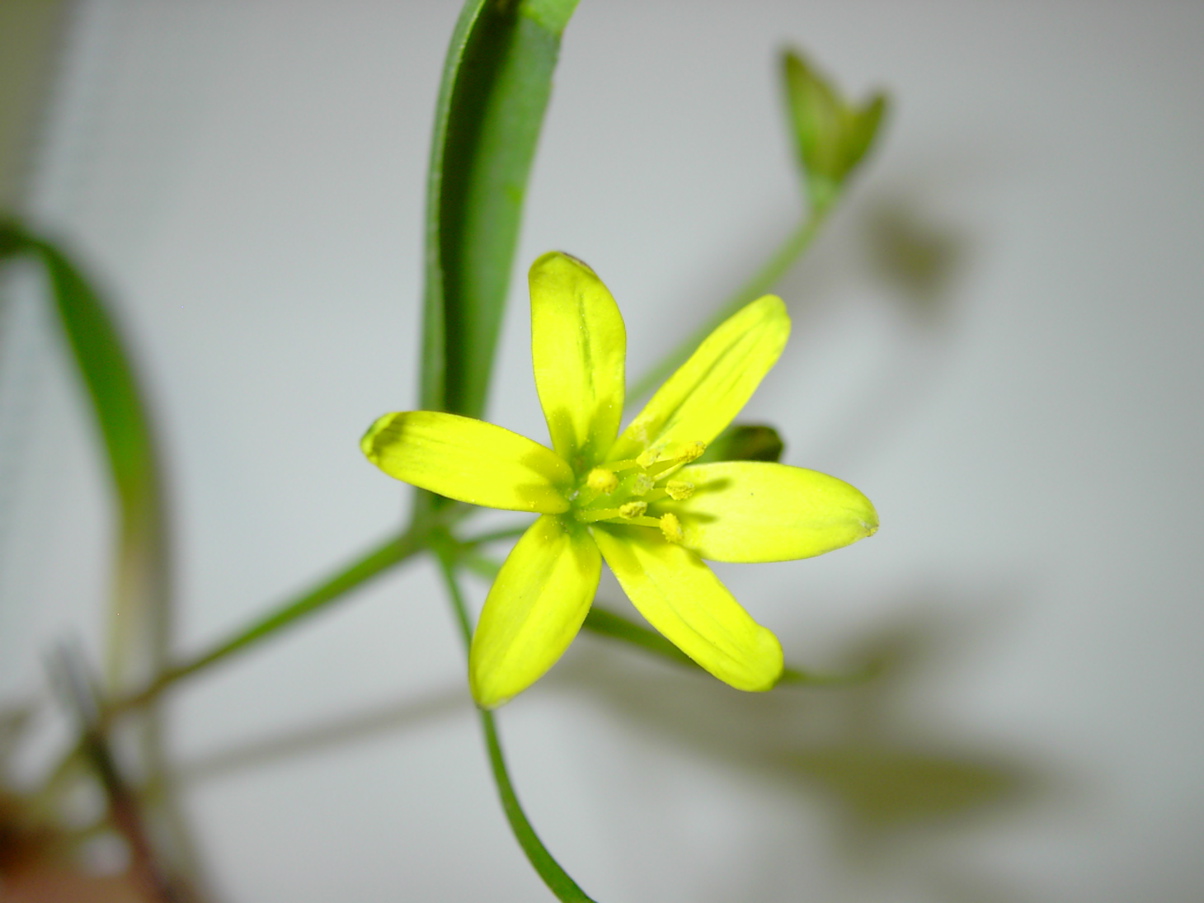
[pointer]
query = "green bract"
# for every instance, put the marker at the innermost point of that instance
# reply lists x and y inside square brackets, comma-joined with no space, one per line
[831,134]
[634,498]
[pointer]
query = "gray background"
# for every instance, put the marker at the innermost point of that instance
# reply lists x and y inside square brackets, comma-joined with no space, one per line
[996,339]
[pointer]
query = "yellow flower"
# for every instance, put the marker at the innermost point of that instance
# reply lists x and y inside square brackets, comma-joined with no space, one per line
[633,498]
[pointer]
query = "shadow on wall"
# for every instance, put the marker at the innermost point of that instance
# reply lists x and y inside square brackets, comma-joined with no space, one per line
[899,799]
[918,259]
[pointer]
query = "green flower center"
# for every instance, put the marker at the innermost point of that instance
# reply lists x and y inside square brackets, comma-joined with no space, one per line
[626,492]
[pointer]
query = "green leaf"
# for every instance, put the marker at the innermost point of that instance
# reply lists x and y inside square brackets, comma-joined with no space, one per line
[745,442]
[864,129]
[831,135]
[138,636]
[103,364]
[496,84]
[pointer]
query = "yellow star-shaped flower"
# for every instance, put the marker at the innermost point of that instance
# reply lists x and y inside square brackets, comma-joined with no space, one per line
[634,498]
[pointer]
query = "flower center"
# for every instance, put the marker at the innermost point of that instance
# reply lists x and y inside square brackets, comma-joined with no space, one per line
[626,492]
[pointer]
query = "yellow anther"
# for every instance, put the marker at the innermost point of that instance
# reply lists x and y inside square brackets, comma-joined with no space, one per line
[633,509]
[602,480]
[671,527]
[693,451]
[679,489]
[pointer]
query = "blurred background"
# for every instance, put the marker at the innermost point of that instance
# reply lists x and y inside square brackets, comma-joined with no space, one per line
[996,338]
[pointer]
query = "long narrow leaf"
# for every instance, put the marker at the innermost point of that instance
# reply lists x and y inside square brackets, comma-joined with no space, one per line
[138,637]
[496,84]
[140,604]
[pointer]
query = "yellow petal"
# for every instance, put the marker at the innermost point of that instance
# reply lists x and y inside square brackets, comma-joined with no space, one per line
[578,347]
[683,599]
[469,460]
[700,399]
[757,511]
[535,608]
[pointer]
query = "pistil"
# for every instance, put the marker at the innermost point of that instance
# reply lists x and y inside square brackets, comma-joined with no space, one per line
[624,490]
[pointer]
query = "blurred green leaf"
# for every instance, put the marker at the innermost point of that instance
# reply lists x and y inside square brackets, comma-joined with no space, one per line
[745,442]
[137,637]
[832,136]
[496,84]
[864,129]
[140,604]
[103,364]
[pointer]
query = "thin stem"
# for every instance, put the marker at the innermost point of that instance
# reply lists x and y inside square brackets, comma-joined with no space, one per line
[555,877]
[761,282]
[481,565]
[799,677]
[392,552]
[446,549]
[616,627]
[494,536]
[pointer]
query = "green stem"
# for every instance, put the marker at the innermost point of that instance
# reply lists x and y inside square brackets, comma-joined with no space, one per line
[761,282]
[553,875]
[608,624]
[393,551]
[801,678]
[481,565]
[494,536]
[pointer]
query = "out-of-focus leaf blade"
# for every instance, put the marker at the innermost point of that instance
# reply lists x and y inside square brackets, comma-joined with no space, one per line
[495,90]
[140,605]
[816,116]
[137,639]
[865,128]
[831,135]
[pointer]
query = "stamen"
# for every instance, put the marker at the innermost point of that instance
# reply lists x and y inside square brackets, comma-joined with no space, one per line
[641,484]
[679,489]
[671,527]
[644,521]
[633,509]
[602,480]
[657,460]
